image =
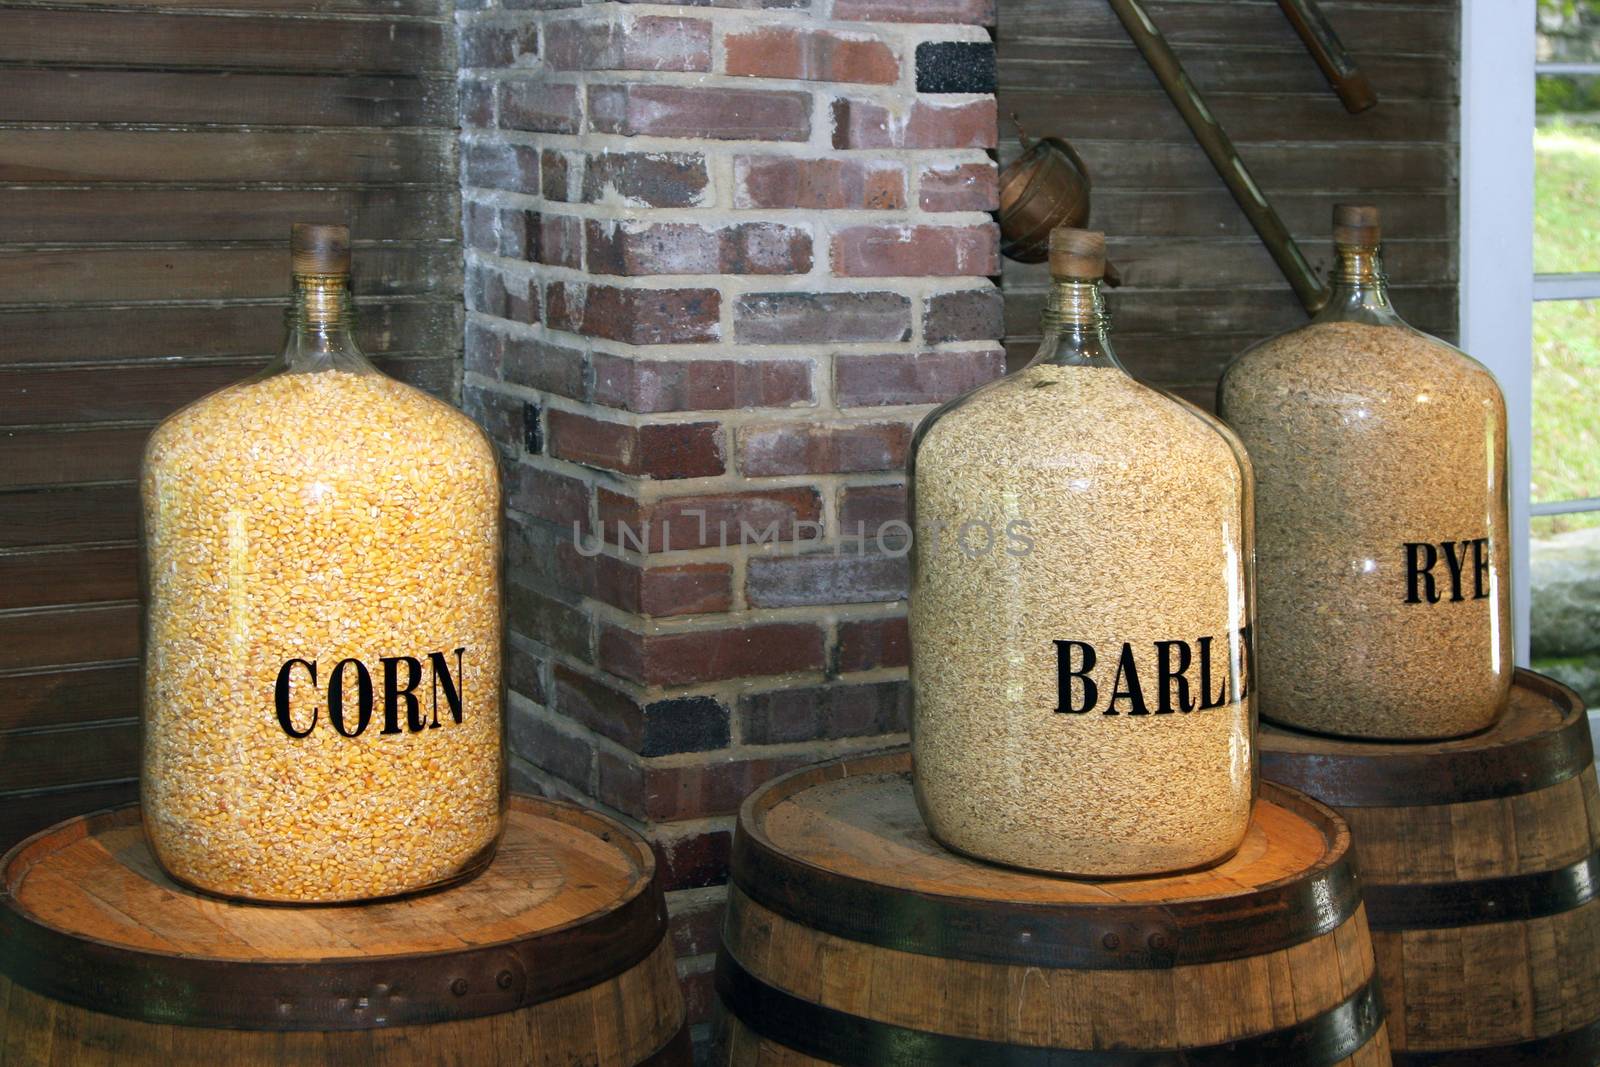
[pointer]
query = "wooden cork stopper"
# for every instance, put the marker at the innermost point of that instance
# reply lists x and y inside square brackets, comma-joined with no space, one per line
[1077,254]
[1357,225]
[317,248]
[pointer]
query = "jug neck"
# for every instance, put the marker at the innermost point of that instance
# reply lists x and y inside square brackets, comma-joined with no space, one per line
[321,321]
[1077,326]
[1360,290]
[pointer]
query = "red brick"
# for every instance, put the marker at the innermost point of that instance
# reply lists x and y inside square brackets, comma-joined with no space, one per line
[916,251]
[556,240]
[846,577]
[693,656]
[967,12]
[927,124]
[809,448]
[633,248]
[645,179]
[646,385]
[490,45]
[865,509]
[964,315]
[657,450]
[655,592]
[913,377]
[678,523]
[640,108]
[807,318]
[695,861]
[546,495]
[959,187]
[480,226]
[818,184]
[824,712]
[716,787]
[650,42]
[810,55]
[635,316]
[539,106]
[869,644]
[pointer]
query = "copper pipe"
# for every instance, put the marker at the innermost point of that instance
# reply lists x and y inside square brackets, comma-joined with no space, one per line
[1341,71]
[1219,149]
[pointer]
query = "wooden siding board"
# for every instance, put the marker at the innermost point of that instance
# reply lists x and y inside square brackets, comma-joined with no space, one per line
[154,154]
[1200,288]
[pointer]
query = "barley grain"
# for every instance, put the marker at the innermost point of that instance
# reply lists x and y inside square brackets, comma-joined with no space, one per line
[1137,506]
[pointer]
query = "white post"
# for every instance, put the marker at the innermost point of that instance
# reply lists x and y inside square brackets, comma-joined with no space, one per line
[1497,83]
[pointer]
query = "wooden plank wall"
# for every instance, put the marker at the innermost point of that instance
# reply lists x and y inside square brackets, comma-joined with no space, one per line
[152,156]
[1199,285]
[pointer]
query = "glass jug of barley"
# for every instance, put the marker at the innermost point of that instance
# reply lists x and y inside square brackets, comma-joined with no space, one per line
[1080,611]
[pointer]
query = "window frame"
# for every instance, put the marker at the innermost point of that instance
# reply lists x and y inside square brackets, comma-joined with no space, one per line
[1498,60]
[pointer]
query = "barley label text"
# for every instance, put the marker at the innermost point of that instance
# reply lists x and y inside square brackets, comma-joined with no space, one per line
[402,676]
[1450,570]
[1155,678]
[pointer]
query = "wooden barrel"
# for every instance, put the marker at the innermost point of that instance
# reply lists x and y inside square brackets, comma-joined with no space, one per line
[555,955]
[1479,865]
[852,938]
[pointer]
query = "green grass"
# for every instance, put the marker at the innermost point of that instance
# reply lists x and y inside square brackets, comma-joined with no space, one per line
[1566,335]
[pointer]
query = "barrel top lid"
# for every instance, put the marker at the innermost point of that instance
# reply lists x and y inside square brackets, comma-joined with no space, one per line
[1079,255]
[1357,225]
[1542,740]
[556,865]
[319,248]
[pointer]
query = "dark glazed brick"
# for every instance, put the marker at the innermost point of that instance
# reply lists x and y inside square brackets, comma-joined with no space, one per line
[824,713]
[547,620]
[809,318]
[956,67]
[546,495]
[554,173]
[684,724]
[825,578]
[651,179]
[965,315]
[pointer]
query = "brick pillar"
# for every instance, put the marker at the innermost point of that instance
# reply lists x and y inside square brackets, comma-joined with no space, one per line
[720,262]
